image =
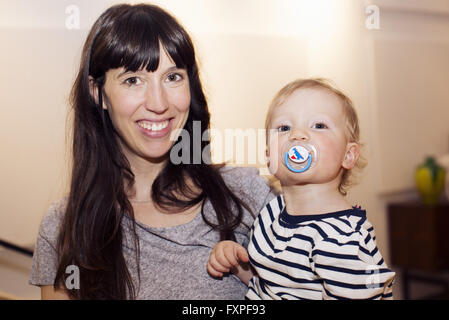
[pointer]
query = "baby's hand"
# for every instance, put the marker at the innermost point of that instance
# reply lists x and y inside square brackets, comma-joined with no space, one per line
[224,256]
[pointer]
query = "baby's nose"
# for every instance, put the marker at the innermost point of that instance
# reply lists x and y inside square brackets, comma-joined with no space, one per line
[298,134]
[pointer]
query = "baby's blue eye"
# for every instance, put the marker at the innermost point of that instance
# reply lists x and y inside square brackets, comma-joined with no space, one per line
[284,128]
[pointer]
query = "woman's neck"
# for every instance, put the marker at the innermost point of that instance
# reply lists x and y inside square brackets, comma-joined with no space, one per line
[313,199]
[145,172]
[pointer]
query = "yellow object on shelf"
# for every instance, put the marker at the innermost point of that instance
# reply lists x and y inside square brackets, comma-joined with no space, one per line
[430,179]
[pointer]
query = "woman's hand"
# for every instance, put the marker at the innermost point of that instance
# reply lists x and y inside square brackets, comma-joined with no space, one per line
[229,256]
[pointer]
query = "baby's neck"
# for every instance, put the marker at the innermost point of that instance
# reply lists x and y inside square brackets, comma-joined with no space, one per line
[313,199]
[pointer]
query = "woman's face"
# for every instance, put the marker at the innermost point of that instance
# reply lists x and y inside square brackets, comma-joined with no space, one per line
[146,107]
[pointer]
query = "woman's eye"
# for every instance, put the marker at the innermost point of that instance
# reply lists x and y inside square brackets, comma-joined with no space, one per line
[132,81]
[174,77]
[319,125]
[283,128]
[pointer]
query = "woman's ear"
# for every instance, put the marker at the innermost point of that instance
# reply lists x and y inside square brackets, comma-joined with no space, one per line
[351,156]
[93,89]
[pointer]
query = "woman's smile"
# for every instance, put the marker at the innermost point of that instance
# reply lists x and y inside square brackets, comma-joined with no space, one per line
[155,129]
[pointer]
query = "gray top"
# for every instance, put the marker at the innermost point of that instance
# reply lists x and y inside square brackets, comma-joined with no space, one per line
[172,259]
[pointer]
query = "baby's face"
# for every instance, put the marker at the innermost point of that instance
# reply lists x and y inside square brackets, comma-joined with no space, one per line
[314,116]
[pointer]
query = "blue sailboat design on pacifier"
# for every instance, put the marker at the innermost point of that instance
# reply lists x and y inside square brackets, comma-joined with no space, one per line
[299,157]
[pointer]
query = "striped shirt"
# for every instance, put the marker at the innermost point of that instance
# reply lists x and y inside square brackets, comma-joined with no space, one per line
[325,256]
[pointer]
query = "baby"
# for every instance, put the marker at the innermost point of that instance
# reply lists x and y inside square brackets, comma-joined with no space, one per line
[309,243]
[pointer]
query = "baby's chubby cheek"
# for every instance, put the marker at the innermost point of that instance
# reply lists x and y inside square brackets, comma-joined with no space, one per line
[280,171]
[275,159]
[272,158]
[331,158]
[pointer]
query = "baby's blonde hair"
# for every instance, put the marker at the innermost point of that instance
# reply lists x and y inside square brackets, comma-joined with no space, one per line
[352,121]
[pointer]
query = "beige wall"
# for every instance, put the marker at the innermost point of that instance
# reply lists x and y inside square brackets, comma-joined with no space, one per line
[247,51]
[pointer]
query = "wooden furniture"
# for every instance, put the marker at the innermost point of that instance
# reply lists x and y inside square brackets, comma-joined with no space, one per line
[419,240]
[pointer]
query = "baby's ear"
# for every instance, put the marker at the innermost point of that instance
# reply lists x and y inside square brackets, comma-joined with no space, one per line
[351,156]
[267,156]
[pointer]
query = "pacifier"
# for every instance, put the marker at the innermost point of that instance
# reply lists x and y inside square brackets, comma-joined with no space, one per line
[299,156]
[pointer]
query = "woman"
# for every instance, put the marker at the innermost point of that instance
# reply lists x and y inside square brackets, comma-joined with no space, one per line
[135,225]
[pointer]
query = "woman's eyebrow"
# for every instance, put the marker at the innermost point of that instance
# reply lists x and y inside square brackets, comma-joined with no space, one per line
[173,68]
[123,73]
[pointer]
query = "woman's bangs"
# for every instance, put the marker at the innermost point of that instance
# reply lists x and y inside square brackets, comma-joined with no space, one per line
[136,45]
[179,52]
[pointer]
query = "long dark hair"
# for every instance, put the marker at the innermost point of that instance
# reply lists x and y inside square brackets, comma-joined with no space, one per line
[91,235]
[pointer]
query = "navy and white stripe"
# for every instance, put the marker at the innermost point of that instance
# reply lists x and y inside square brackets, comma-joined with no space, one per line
[326,256]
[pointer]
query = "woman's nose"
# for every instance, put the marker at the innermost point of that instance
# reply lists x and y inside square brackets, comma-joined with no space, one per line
[298,134]
[156,100]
